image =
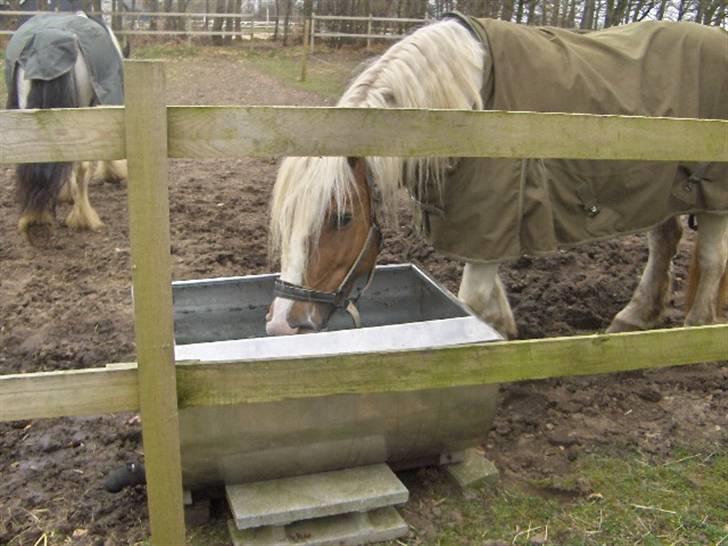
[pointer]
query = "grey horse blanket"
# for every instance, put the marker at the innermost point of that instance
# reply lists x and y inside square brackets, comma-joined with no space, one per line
[497,209]
[45,46]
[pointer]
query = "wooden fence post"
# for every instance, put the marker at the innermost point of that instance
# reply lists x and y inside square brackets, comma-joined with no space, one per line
[146,150]
[369,33]
[304,59]
[313,29]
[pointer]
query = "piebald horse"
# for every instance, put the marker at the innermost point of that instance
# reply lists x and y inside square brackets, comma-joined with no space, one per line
[325,210]
[39,186]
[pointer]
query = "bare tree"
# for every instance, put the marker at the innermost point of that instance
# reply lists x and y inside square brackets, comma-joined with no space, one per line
[286,21]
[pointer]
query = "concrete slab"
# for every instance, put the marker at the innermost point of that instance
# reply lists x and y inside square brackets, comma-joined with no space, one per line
[286,500]
[474,470]
[341,530]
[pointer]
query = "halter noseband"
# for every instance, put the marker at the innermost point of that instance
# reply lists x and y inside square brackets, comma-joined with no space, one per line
[345,296]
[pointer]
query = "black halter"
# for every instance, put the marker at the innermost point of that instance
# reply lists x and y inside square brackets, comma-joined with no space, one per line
[346,294]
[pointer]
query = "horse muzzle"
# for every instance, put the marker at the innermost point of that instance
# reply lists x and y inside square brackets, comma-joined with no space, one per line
[276,321]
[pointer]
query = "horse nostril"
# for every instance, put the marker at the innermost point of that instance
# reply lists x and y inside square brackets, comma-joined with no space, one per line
[305,325]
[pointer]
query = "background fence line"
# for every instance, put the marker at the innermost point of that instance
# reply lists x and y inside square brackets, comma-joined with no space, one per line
[192,20]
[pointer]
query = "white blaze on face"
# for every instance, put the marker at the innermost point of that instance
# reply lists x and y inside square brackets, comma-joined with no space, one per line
[292,261]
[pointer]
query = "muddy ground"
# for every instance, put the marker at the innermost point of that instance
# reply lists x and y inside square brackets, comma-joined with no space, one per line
[68,305]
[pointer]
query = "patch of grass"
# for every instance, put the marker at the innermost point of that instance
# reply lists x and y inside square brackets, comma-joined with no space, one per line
[167,51]
[327,72]
[324,76]
[606,500]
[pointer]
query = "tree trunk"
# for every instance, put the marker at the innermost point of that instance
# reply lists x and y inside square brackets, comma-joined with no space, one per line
[275,29]
[507,11]
[218,22]
[286,20]
[229,22]
[587,16]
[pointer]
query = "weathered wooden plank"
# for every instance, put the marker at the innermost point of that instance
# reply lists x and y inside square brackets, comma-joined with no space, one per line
[146,144]
[499,362]
[64,134]
[65,393]
[225,132]
[199,384]
[237,131]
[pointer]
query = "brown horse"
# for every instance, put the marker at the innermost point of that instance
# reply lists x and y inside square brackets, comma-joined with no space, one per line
[325,210]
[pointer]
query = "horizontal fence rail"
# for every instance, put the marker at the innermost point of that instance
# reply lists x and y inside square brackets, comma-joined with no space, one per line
[368,35]
[248,24]
[99,390]
[215,132]
[64,134]
[365,18]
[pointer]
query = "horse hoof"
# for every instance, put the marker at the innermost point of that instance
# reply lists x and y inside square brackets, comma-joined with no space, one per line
[76,221]
[29,219]
[618,325]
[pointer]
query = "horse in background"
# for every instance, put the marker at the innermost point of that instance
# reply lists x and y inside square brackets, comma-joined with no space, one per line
[62,61]
[325,210]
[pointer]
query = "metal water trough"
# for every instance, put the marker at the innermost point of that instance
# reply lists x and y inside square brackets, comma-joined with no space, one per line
[224,319]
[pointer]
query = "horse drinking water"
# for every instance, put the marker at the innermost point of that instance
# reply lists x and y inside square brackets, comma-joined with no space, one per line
[62,61]
[325,210]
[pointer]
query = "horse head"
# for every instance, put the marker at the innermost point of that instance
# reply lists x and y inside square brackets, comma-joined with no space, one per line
[329,267]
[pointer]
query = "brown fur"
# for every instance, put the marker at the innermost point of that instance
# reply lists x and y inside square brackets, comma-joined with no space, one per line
[694,280]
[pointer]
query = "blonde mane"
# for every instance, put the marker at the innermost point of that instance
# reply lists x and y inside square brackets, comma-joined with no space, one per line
[438,66]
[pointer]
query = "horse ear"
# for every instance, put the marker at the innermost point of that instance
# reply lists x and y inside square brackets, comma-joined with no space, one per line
[352,161]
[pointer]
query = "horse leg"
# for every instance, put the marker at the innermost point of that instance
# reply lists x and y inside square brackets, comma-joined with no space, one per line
[111,171]
[82,215]
[65,195]
[648,302]
[481,290]
[712,255]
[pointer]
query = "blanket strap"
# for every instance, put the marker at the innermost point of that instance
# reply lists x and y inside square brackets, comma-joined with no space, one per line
[698,175]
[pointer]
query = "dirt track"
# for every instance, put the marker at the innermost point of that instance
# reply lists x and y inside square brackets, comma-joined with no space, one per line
[68,306]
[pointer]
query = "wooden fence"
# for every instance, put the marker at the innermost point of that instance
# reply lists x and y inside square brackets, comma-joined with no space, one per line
[190,24]
[148,132]
[388,33]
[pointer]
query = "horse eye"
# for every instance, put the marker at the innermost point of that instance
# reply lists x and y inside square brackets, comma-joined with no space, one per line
[342,220]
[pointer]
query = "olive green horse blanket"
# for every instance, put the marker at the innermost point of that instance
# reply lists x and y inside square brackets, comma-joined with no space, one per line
[45,46]
[497,209]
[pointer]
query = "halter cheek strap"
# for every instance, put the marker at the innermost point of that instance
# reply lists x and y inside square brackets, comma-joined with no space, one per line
[338,297]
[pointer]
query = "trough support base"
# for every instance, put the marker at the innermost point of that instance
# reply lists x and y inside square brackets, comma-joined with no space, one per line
[348,507]
[344,529]
[286,500]
[474,470]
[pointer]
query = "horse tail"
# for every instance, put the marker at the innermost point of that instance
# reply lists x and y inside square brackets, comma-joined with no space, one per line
[11,102]
[694,279]
[38,184]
